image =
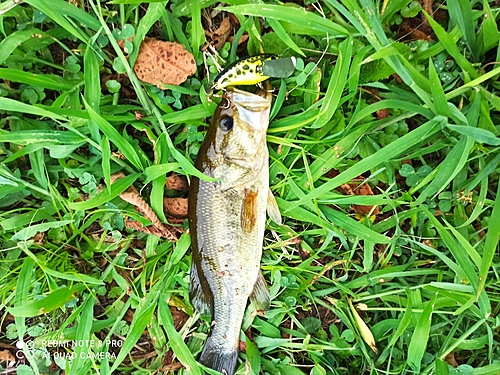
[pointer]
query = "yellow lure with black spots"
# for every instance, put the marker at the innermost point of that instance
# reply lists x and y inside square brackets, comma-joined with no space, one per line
[253,70]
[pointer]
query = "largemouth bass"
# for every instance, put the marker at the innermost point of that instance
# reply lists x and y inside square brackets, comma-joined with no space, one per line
[227,220]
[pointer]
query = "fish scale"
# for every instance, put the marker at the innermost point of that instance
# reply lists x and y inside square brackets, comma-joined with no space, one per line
[227,220]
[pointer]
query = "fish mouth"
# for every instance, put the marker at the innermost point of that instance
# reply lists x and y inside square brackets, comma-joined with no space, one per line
[252,110]
[250,102]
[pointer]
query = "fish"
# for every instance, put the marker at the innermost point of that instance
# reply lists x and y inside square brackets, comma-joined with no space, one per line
[227,219]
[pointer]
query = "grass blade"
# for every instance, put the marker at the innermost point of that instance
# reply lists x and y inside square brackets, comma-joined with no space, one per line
[491,243]
[121,143]
[451,166]
[46,81]
[26,233]
[38,167]
[58,10]
[33,136]
[478,134]
[152,15]
[141,319]
[336,85]
[92,93]
[461,14]
[175,340]
[12,41]
[451,47]
[489,30]
[420,336]
[12,105]
[158,189]
[51,302]
[281,33]
[104,196]
[392,150]
[83,335]
[352,226]
[106,165]
[458,252]
[197,33]
[297,16]
[440,102]
[22,292]
[404,322]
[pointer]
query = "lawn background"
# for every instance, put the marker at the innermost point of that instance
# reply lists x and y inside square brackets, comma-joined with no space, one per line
[384,154]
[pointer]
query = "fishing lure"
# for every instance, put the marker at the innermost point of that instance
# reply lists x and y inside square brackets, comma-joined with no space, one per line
[253,70]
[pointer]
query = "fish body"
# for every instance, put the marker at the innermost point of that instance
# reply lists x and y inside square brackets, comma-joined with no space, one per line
[227,220]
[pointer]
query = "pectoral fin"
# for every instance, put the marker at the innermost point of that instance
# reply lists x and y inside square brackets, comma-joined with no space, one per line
[260,297]
[272,208]
[199,299]
[249,211]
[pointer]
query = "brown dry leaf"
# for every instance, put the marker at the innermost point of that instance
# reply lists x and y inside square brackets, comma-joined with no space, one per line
[397,78]
[450,359]
[6,356]
[163,62]
[303,253]
[382,114]
[414,33]
[242,346]
[345,189]
[242,40]
[132,196]
[427,6]
[429,243]
[39,238]
[219,36]
[357,189]
[135,225]
[177,182]
[365,189]
[177,207]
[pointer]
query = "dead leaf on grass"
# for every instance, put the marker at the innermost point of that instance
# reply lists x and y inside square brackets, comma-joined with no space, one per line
[132,196]
[39,238]
[219,36]
[6,356]
[413,32]
[356,188]
[177,182]
[364,189]
[450,359]
[242,40]
[163,62]
[177,207]
[382,114]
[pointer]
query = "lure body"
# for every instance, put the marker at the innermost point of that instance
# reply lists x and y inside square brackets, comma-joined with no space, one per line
[253,70]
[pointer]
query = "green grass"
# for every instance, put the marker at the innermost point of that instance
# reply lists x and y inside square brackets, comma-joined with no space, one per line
[412,290]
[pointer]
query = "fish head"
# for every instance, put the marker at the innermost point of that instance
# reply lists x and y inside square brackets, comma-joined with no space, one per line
[241,122]
[238,134]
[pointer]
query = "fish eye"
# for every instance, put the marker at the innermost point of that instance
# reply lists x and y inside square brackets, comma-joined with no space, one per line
[226,123]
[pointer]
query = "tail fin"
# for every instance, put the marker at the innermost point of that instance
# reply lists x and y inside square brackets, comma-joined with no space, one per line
[218,358]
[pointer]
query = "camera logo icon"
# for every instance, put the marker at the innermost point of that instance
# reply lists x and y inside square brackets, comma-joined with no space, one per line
[25,349]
